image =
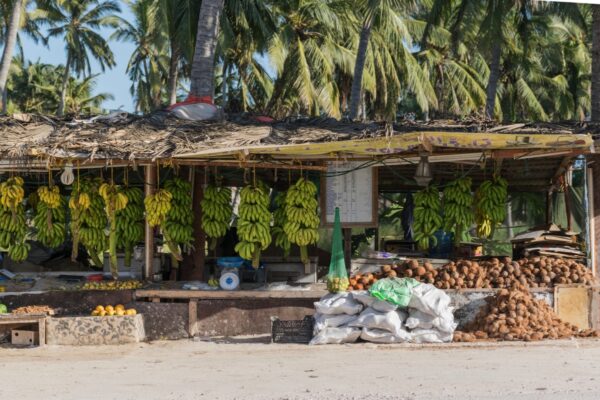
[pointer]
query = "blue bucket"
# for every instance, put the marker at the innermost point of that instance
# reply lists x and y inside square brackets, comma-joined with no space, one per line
[230,262]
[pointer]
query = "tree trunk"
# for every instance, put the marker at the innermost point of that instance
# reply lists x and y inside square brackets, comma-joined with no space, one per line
[9,45]
[596,63]
[65,85]
[173,74]
[359,67]
[203,65]
[492,86]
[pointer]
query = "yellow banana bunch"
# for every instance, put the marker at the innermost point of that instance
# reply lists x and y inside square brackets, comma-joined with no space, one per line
[13,222]
[427,219]
[216,212]
[490,205]
[458,209]
[157,206]
[253,227]
[50,217]
[302,218]
[178,229]
[279,220]
[130,222]
[12,192]
[114,200]
[88,219]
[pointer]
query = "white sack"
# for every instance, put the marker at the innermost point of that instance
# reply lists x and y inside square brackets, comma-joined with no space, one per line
[336,336]
[323,321]
[429,299]
[381,336]
[338,303]
[369,318]
[365,298]
[430,336]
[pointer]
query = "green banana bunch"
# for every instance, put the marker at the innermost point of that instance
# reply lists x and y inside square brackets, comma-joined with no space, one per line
[178,229]
[50,217]
[114,200]
[458,209]
[302,217]
[88,219]
[130,222]
[279,220]
[490,205]
[254,221]
[216,212]
[427,219]
[13,222]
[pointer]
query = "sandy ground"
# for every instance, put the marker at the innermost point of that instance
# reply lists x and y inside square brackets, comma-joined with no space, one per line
[249,371]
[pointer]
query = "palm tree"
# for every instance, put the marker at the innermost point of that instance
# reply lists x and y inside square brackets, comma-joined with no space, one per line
[77,21]
[147,67]
[9,45]
[203,64]
[596,63]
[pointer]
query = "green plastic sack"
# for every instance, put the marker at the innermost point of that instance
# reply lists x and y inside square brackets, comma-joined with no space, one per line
[3,309]
[394,290]
[337,278]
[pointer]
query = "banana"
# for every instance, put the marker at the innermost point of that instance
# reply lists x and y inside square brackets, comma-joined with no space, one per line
[427,219]
[13,223]
[458,213]
[253,222]
[216,212]
[301,216]
[177,223]
[130,222]
[50,217]
[88,219]
[490,205]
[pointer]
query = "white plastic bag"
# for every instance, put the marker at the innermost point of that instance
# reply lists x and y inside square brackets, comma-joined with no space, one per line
[430,336]
[381,336]
[323,321]
[336,336]
[338,303]
[363,297]
[418,319]
[429,299]
[369,318]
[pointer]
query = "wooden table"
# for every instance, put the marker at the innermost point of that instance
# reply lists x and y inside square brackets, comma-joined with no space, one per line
[26,319]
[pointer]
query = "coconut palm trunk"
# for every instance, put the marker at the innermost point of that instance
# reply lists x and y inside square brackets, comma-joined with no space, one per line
[64,87]
[173,74]
[359,67]
[9,46]
[203,64]
[596,63]
[492,86]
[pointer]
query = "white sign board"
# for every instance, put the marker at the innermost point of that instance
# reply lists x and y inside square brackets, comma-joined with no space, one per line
[354,190]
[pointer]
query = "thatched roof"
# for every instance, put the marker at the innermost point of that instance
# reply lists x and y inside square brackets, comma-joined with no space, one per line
[159,136]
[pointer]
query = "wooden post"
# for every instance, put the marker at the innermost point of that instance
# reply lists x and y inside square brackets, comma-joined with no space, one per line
[548,208]
[348,247]
[149,188]
[568,207]
[198,255]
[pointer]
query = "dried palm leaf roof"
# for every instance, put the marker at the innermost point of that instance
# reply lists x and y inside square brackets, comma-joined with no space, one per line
[126,136]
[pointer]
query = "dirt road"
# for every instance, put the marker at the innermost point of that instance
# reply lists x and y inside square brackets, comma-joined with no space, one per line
[202,370]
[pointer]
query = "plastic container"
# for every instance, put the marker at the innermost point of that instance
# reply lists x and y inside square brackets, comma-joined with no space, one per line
[230,262]
[444,246]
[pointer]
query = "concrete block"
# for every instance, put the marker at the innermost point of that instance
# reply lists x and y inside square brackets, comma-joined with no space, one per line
[85,331]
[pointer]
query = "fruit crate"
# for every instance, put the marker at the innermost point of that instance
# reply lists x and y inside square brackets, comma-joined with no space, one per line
[295,331]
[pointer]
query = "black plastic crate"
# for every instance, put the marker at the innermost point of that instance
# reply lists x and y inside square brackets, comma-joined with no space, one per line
[296,331]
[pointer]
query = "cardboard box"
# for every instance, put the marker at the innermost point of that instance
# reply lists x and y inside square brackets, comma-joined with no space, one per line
[24,338]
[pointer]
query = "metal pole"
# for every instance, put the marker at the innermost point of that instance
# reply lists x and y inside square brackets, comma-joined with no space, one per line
[591,245]
[149,188]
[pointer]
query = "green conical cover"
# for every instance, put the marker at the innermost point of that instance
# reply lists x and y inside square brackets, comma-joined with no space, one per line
[337,266]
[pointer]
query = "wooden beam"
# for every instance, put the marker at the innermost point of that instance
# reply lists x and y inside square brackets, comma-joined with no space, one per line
[224,294]
[149,188]
[192,317]
[249,164]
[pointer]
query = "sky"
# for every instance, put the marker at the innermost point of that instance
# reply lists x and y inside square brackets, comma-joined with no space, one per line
[114,81]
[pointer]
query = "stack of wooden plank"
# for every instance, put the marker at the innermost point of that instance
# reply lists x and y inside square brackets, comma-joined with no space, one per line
[552,242]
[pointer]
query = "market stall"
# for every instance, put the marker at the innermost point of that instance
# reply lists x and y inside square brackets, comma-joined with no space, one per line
[221,213]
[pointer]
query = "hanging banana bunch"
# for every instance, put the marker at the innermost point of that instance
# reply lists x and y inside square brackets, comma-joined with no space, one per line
[302,216]
[279,220]
[130,222]
[427,219]
[91,221]
[216,212]
[79,202]
[253,227]
[114,200]
[13,223]
[458,209]
[157,207]
[50,217]
[178,229]
[490,205]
